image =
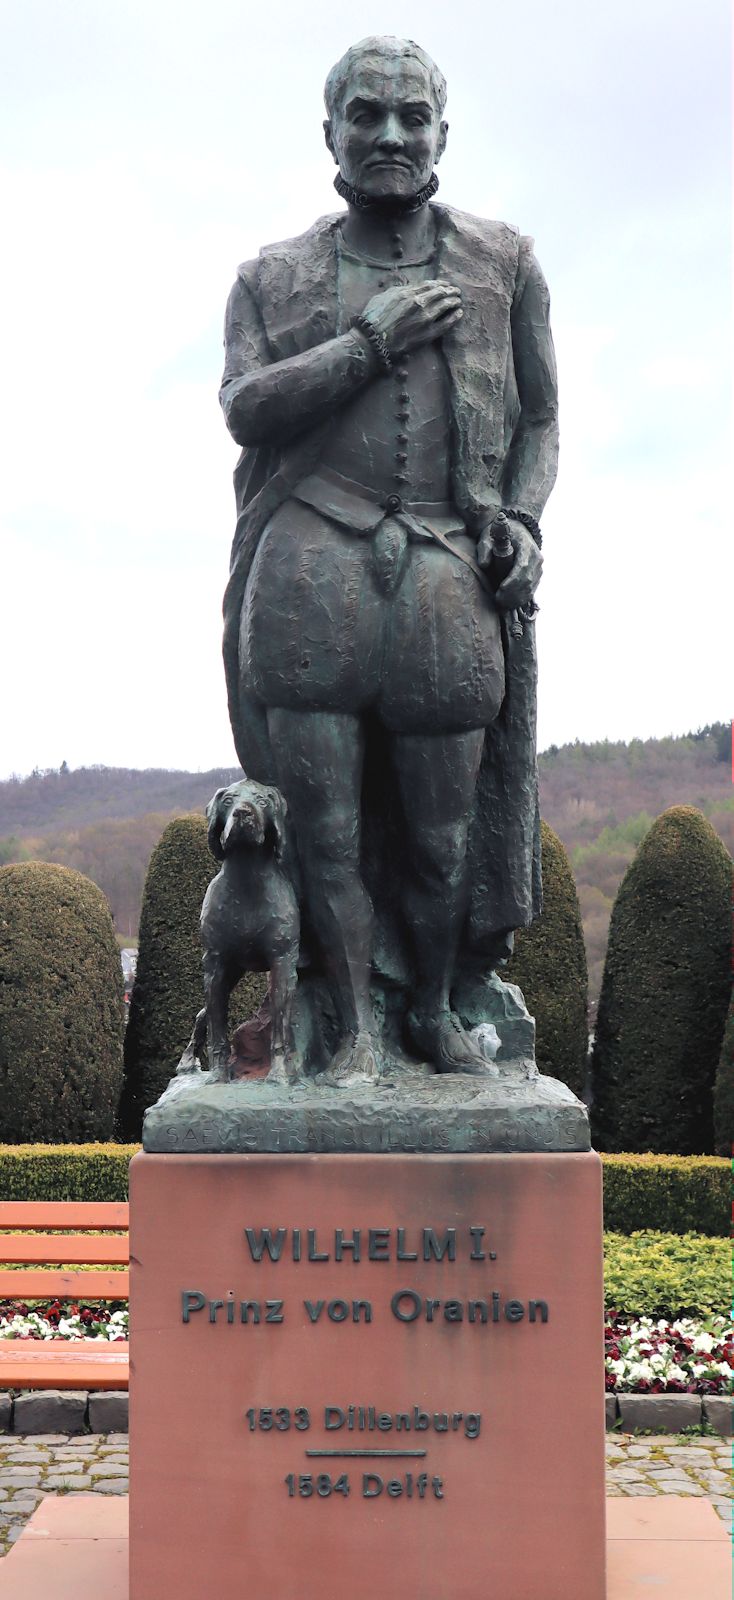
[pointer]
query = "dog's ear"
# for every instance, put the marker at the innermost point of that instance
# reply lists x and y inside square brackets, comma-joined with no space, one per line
[216,820]
[277,812]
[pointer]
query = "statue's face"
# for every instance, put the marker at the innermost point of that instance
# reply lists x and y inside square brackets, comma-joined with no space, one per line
[387,135]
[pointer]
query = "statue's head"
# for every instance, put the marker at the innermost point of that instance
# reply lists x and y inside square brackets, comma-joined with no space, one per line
[385,102]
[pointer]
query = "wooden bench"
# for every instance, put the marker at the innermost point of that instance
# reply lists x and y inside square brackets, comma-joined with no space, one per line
[52,1264]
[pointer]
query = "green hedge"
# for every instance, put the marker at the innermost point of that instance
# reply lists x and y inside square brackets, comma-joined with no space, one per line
[667,1274]
[549,964]
[665,992]
[674,1194]
[61,1010]
[65,1171]
[677,1194]
[724,1090]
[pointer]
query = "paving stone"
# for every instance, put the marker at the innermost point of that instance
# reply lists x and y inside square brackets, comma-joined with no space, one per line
[111,1486]
[15,1477]
[107,1469]
[25,1458]
[48,1438]
[117,1438]
[109,1412]
[64,1480]
[693,1452]
[669,1413]
[50,1411]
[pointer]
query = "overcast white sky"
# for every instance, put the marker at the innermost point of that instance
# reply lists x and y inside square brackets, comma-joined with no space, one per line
[146,147]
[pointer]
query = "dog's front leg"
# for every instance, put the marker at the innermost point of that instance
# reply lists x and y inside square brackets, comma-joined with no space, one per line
[217,990]
[282,990]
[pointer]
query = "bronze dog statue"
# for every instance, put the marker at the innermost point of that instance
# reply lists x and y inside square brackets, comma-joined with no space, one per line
[249,918]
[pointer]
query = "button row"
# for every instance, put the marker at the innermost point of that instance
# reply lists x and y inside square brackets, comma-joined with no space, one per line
[402,414]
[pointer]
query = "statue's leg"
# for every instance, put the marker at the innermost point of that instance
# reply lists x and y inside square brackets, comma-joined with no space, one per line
[282,990]
[319,757]
[218,985]
[437,775]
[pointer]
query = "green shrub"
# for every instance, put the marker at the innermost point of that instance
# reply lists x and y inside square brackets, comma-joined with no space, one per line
[724,1091]
[667,1274]
[65,1171]
[549,965]
[678,1194]
[665,992]
[670,1193]
[61,1006]
[168,990]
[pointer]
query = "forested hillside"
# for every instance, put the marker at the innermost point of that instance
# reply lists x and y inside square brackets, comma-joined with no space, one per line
[599,798]
[104,821]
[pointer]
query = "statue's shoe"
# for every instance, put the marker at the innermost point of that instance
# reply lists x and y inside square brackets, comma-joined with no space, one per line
[282,1073]
[355,1062]
[443,1041]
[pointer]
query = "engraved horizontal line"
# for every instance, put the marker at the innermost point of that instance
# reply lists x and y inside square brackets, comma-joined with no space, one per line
[393,1454]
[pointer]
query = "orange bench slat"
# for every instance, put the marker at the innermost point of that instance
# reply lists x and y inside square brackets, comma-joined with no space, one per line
[90,1249]
[64,1214]
[71,1285]
[64,1364]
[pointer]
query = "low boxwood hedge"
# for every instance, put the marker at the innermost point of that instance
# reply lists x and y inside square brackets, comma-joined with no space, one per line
[674,1194]
[65,1171]
[666,1274]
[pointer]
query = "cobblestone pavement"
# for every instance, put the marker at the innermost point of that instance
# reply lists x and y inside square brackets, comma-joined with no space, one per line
[43,1463]
[693,1464]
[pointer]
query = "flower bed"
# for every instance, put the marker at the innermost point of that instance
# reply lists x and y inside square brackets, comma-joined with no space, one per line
[653,1356]
[62,1319]
[644,1355]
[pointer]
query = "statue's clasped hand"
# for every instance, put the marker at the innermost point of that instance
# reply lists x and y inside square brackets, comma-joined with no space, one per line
[518,587]
[409,316]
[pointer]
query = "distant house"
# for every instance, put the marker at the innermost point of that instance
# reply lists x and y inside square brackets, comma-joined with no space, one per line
[129,959]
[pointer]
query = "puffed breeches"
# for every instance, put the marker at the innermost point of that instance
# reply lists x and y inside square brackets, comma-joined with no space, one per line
[322,630]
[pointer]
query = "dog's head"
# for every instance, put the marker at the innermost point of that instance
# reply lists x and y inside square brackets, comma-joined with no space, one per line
[247,815]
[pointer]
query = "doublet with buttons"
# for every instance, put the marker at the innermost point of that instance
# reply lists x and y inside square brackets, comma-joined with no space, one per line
[394,435]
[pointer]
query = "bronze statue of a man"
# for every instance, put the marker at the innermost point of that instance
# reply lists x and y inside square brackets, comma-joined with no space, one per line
[391,380]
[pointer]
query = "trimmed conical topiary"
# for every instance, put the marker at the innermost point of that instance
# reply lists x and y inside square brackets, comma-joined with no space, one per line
[549,964]
[724,1091]
[665,992]
[168,990]
[61,1007]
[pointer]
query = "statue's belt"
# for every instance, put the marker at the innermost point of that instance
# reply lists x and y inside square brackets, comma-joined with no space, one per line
[361,510]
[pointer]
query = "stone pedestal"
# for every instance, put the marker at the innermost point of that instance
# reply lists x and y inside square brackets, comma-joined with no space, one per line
[407,1402]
